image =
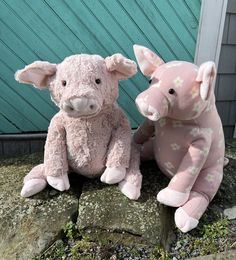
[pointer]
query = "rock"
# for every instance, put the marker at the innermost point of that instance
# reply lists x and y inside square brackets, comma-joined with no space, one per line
[230,255]
[230,213]
[104,209]
[29,226]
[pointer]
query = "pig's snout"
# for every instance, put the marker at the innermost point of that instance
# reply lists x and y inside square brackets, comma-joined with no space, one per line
[81,106]
[147,110]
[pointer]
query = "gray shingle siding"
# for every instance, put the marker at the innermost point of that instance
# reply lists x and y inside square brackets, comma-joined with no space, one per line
[226,79]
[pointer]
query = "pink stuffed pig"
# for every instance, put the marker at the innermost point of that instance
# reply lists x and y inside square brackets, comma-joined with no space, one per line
[90,134]
[183,132]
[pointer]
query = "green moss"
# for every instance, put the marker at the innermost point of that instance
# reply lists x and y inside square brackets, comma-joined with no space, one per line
[70,230]
[207,239]
[159,253]
[56,251]
[81,250]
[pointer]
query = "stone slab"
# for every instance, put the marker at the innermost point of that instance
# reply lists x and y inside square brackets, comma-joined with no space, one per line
[229,255]
[105,208]
[29,226]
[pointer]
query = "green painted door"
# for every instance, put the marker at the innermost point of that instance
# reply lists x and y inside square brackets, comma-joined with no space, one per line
[53,29]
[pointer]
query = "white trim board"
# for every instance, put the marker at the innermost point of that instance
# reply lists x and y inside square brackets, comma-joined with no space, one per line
[210,31]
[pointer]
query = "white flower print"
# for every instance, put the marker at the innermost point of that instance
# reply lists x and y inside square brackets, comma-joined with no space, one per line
[197,106]
[169,165]
[194,132]
[209,178]
[194,92]
[177,124]
[209,131]
[205,151]
[175,147]
[178,82]
[193,170]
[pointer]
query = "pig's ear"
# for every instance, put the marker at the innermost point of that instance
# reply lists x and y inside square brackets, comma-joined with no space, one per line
[123,68]
[37,74]
[147,60]
[206,75]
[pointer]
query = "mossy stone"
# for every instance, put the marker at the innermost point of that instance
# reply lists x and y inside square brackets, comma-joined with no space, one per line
[105,208]
[29,226]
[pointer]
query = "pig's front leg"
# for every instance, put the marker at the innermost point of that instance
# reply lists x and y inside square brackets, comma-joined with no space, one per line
[178,190]
[55,167]
[118,154]
[55,156]
[131,185]
[144,132]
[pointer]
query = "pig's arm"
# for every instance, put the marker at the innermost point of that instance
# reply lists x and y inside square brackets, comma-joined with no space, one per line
[178,190]
[119,148]
[55,155]
[144,132]
[118,153]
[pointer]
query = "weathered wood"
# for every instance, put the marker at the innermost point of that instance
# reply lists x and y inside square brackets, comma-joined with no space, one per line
[11,148]
[37,146]
[53,29]
[231,8]
[227,59]
[232,31]
[227,89]
[12,145]
[226,29]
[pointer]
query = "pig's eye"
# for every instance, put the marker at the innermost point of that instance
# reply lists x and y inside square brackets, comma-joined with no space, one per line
[63,82]
[98,81]
[171,91]
[150,81]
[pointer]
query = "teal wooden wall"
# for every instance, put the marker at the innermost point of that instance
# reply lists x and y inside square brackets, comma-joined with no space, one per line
[53,29]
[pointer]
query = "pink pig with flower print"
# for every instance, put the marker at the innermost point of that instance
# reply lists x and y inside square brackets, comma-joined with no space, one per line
[183,132]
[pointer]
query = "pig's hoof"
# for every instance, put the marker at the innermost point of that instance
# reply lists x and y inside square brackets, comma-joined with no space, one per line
[183,221]
[172,198]
[113,175]
[129,190]
[60,183]
[32,187]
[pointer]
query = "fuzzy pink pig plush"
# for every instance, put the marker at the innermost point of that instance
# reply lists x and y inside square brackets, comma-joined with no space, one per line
[90,134]
[183,132]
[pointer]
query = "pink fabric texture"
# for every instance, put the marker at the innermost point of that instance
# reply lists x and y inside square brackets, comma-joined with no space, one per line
[183,132]
[90,132]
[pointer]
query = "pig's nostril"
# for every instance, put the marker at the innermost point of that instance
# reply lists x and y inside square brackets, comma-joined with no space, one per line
[91,107]
[149,113]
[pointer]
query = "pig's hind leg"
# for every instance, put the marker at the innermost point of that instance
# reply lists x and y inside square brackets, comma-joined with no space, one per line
[187,216]
[132,183]
[34,182]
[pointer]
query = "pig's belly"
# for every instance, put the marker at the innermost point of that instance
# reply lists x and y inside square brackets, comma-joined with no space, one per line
[169,154]
[88,160]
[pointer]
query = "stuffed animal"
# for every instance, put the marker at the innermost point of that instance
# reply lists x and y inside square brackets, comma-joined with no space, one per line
[90,134]
[183,132]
